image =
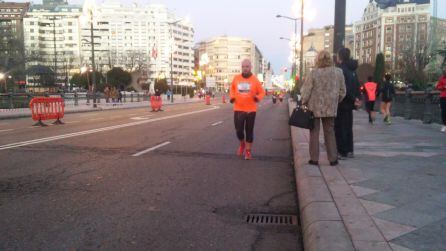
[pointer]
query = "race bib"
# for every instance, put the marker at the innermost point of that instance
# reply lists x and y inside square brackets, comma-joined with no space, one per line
[244,88]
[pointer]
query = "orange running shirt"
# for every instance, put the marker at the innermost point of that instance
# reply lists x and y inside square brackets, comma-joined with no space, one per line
[371,89]
[243,90]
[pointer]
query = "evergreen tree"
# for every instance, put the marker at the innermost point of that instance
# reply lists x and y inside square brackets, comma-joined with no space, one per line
[380,68]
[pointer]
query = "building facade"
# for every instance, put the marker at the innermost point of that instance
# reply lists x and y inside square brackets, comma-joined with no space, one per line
[52,38]
[322,38]
[224,56]
[51,4]
[148,38]
[392,28]
[12,51]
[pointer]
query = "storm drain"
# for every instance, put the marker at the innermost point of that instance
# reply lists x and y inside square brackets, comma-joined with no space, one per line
[271,219]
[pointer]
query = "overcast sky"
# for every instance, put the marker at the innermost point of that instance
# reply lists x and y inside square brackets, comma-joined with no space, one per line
[255,19]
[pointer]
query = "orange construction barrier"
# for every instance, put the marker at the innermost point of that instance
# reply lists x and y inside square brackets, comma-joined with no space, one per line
[208,99]
[156,102]
[223,99]
[43,108]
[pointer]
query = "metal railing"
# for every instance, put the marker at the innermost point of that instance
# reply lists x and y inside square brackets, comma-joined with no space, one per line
[419,105]
[21,100]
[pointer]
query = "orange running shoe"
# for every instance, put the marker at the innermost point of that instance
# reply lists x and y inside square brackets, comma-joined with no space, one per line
[248,155]
[241,148]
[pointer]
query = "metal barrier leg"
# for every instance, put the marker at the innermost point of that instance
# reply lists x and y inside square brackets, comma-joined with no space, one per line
[58,122]
[40,123]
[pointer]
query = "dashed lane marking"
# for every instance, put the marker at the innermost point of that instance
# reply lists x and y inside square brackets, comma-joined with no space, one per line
[151,149]
[142,117]
[217,123]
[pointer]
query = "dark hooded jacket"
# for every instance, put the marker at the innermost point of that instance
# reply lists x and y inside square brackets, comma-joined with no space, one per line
[387,92]
[352,84]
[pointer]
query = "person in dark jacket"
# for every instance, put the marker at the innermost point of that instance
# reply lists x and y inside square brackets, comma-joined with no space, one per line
[387,92]
[344,119]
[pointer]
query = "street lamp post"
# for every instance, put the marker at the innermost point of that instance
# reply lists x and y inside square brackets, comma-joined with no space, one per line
[294,51]
[93,66]
[339,26]
[171,55]
[295,40]
[55,49]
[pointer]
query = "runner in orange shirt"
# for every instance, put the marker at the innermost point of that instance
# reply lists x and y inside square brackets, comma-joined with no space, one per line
[370,89]
[246,92]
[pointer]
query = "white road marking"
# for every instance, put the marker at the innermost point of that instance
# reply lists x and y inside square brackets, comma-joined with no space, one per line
[6,130]
[87,115]
[217,123]
[141,118]
[103,129]
[151,149]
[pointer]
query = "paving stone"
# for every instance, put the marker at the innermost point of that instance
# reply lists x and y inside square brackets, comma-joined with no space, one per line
[309,171]
[375,207]
[352,175]
[362,228]
[312,189]
[418,213]
[399,248]
[371,246]
[431,237]
[392,230]
[319,211]
[332,176]
[362,191]
[327,235]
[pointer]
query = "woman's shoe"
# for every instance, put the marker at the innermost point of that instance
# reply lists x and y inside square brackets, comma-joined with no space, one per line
[314,163]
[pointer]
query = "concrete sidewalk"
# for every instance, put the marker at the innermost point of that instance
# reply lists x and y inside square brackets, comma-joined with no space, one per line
[391,196]
[71,108]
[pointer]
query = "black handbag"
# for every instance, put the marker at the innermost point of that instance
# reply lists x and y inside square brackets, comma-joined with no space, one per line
[302,118]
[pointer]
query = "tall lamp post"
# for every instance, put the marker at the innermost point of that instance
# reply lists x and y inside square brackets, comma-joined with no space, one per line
[339,26]
[171,55]
[294,50]
[55,49]
[93,65]
[301,38]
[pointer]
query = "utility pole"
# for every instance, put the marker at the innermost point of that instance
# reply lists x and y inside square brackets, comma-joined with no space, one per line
[301,68]
[339,26]
[171,55]
[93,67]
[55,49]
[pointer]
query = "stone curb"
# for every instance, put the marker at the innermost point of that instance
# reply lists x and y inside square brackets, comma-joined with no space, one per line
[26,115]
[322,225]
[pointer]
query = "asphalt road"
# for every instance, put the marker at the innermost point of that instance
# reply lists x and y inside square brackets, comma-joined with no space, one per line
[135,180]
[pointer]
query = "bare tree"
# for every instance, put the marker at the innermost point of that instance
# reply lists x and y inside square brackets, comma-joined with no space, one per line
[411,67]
[136,59]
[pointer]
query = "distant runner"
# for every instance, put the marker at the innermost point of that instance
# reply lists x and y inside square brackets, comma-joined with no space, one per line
[370,89]
[246,92]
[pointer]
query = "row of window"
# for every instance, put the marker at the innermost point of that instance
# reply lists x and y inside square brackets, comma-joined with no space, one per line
[10,10]
[10,15]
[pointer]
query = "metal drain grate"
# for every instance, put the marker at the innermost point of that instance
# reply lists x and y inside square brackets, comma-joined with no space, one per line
[271,219]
